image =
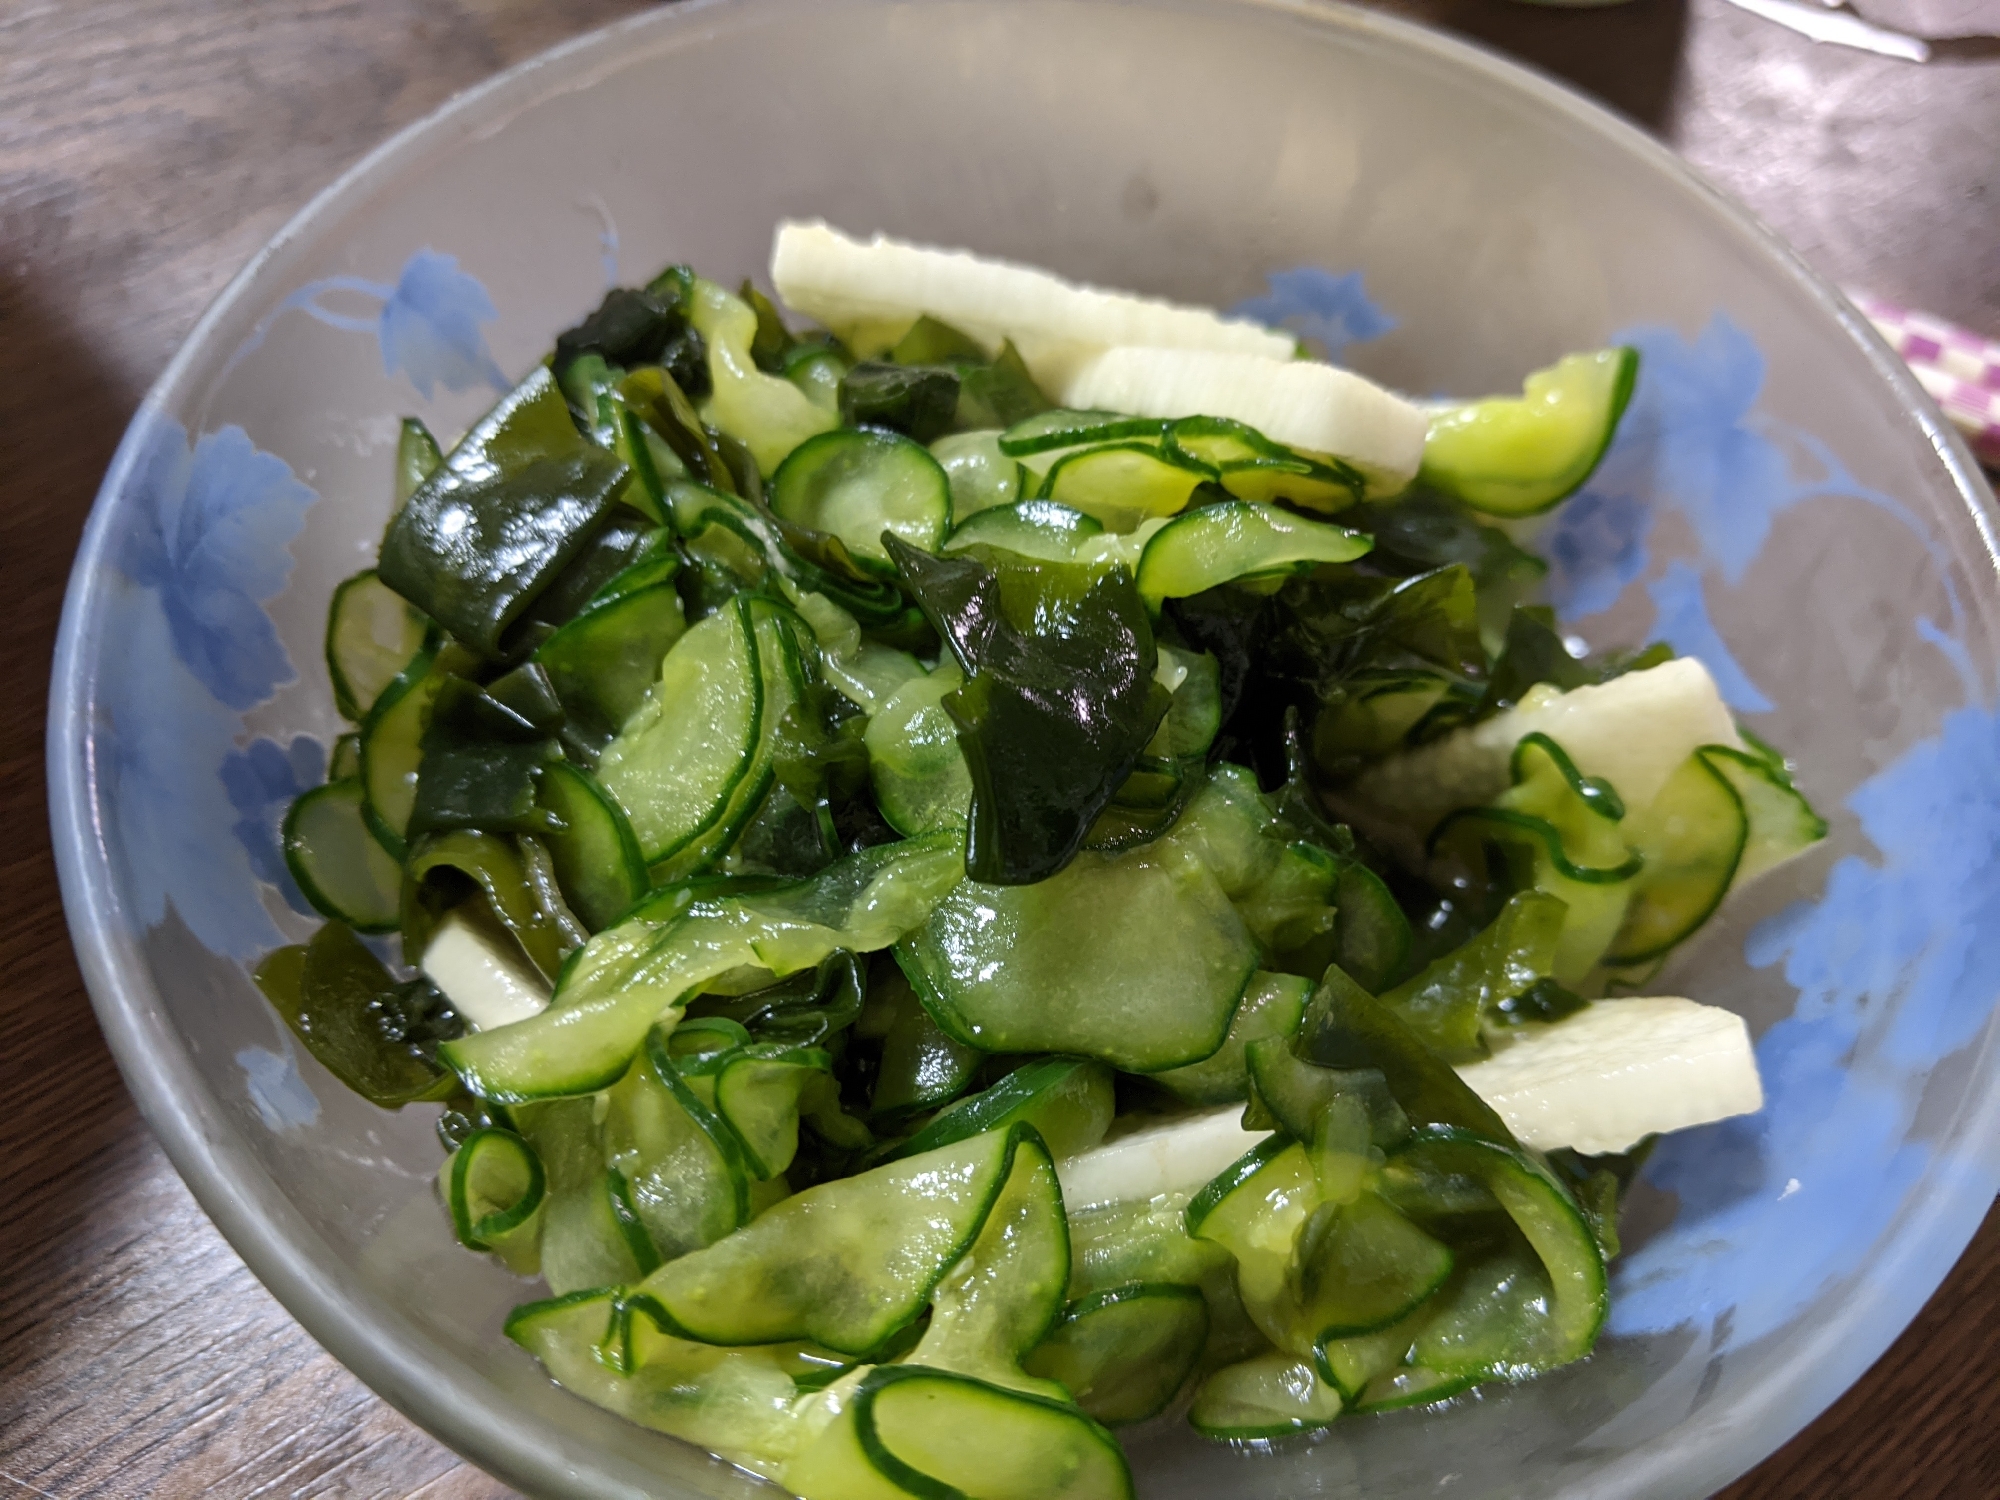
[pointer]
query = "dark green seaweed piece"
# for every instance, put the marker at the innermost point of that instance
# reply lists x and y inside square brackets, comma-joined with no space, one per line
[479,765]
[1445,1003]
[630,327]
[1346,1027]
[376,1035]
[915,400]
[1058,702]
[998,394]
[518,499]
[1532,653]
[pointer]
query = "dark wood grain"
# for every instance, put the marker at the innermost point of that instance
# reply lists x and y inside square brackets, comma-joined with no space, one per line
[147,147]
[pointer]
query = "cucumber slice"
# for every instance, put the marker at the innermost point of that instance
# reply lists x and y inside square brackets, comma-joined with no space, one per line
[1633,732]
[1411,1386]
[1569,827]
[686,1172]
[641,971]
[1066,1099]
[679,765]
[417,458]
[482,971]
[1232,540]
[588,1238]
[1322,413]
[1120,484]
[340,866]
[846,1264]
[857,483]
[1270,1396]
[1451,998]
[871,292]
[392,748]
[914,763]
[757,1093]
[494,1189]
[603,663]
[1350,1364]
[1175,1155]
[1361,1267]
[1691,840]
[1557,1320]
[1272,1006]
[980,475]
[1618,1071]
[605,1347]
[1123,1354]
[931,1434]
[767,413]
[1252,467]
[597,858]
[343,761]
[1038,529]
[1062,429]
[1517,455]
[1000,1300]
[1137,959]
[1782,823]
[372,634]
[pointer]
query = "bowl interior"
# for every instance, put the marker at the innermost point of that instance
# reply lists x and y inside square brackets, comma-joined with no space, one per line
[1780,503]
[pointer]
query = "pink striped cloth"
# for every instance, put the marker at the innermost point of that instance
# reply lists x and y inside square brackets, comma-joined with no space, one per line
[1960,369]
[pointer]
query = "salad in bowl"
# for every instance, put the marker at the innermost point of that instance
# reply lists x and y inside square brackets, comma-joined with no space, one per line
[1019,860]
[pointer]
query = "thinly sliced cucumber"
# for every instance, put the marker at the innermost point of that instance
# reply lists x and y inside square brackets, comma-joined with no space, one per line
[1120,484]
[1782,823]
[910,1431]
[343,761]
[859,482]
[1039,529]
[687,1175]
[1350,1364]
[1124,1353]
[372,634]
[870,292]
[1691,840]
[870,674]
[642,971]
[1252,467]
[1409,1385]
[1136,958]
[845,1264]
[919,775]
[1175,1155]
[604,662]
[588,1236]
[1062,430]
[417,458]
[597,857]
[980,475]
[1569,829]
[604,1346]
[680,763]
[340,866]
[766,412]
[1361,1267]
[1269,1396]
[494,1189]
[483,972]
[1321,412]
[1272,1007]
[1067,1099]
[1633,731]
[392,749]
[1218,543]
[1452,997]
[1516,455]
[1618,1071]
[757,1093]
[1560,1318]
[1003,1296]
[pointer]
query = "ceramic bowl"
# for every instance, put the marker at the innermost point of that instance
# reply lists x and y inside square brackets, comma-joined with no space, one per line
[1782,502]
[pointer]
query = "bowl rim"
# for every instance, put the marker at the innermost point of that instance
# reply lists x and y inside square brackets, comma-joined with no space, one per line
[392,1354]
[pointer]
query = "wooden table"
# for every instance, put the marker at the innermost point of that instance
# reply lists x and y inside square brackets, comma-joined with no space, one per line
[148,147]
